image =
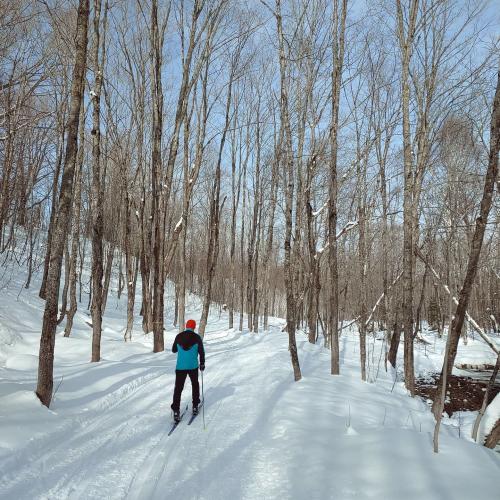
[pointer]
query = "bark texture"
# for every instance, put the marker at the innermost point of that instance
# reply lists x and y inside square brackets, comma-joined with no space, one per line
[47,340]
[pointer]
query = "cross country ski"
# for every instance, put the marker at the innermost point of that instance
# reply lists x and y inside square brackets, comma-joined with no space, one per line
[195,413]
[178,421]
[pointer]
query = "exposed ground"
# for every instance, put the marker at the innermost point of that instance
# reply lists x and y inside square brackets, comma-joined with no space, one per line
[464,394]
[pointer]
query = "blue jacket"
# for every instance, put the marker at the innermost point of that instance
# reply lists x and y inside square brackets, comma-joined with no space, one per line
[188,345]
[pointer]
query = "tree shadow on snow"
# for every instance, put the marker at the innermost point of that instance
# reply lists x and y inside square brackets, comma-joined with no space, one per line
[215,394]
[205,473]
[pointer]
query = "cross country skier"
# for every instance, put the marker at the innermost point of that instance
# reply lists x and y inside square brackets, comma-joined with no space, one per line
[188,345]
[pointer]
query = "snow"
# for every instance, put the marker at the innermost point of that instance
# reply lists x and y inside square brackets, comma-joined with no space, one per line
[494,320]
[179,224]
[320,250]
[429,357]
[346,228]
[318,212]
[490,417]
[266,436]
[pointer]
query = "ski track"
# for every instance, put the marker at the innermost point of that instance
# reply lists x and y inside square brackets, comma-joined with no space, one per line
[219,440]
[145,483]
[133,453]
[78,448]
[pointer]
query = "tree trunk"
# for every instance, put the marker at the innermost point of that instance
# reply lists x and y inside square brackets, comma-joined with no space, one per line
[362,263]
[493,437]
[255,283]
[475,251]
[235,191]
[252,243]
[47,340]
[110,255]
[215,211]
[313,278]
[291,312]
[406,46]
[76,228]
[418,318]
[131,269]
[270,237]
[242,239]
[145,268]
[97,183]
[338,29]
[53,213]
[159,203]
[67,267]
[121,279]
[181,281]
[395,338]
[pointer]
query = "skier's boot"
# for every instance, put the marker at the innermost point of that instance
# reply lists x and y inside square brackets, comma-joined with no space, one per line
[177,414]
[195,409]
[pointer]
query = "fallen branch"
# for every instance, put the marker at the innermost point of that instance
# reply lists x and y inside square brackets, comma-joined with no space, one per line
[480,367]
[349,324]
[375,306]
[418,337]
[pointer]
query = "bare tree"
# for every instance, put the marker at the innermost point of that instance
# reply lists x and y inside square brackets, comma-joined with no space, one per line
[76,227]
[216,206]
[406,34]
[98,179]
[338,35]
[47,340]
[475,251]
[158,202]
[291,312]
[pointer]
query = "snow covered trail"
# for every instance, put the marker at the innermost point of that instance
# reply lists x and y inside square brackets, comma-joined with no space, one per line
[266,437]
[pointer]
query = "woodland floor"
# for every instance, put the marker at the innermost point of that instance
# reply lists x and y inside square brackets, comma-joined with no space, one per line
[465,393]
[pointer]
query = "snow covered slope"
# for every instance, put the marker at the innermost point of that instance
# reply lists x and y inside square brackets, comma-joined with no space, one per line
[266,437]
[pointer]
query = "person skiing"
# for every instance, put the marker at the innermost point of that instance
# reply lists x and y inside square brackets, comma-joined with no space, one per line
[188,345]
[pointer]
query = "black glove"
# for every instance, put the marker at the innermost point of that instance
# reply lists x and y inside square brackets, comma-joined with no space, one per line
[202,366]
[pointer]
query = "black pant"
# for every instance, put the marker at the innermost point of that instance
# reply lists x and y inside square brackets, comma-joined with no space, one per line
[180,378]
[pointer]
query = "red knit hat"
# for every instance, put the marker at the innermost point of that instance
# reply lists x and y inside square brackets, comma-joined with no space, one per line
[190,324]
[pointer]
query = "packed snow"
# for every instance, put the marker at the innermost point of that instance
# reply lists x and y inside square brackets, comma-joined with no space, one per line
[265,436]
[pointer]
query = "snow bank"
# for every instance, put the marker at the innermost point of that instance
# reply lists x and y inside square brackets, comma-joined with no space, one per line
[490,417]
[8,337]
[429,357]
[22,362]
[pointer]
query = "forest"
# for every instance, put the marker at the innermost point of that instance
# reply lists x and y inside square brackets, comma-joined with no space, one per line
[329,162]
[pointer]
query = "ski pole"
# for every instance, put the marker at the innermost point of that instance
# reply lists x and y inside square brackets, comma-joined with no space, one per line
[203,405]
